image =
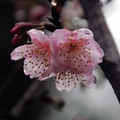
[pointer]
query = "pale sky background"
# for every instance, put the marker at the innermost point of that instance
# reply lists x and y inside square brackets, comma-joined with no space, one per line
[112,14]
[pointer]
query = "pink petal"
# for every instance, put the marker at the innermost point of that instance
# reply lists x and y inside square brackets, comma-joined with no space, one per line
[88,81]
[24,51]
[66,81]
[85,33]
[39,65]
[56,39]
[96,53]
[58,36]
[46,76]
[18,52]
[38,36]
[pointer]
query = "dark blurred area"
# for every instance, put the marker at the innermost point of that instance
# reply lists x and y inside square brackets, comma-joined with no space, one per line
[6,23]
[9,81]
[13,82]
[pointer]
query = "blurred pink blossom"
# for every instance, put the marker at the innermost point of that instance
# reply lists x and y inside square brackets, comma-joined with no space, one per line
[37,13]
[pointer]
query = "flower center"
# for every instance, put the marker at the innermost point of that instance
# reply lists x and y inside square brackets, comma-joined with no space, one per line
[71,42]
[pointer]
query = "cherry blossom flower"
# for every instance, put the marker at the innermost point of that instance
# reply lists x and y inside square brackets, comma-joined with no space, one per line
[75,55]
[70,56]
[38,62]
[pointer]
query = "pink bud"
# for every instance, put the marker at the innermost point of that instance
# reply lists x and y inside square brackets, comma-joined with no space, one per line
[21,27]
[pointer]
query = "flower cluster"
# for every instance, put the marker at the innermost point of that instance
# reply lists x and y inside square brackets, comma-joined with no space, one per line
[70,56]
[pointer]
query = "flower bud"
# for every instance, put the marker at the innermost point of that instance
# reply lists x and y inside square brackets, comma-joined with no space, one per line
[21,27]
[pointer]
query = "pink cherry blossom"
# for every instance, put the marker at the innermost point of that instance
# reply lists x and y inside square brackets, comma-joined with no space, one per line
[75,55]
[38,62]
[76,51]
[70,56]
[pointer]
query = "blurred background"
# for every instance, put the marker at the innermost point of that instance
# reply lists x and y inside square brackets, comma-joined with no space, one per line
[22,98]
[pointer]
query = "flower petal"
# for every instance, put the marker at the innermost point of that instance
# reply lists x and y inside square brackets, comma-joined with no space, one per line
[16,54]
[58,37]
[24,51]
[66,81]
[38,36]
[88,81]
[85,33]
[39,65]
[19,52]
[90,45]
